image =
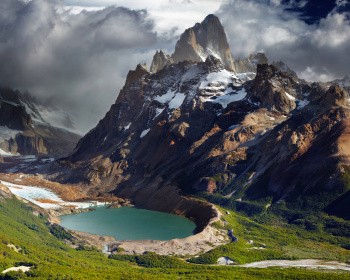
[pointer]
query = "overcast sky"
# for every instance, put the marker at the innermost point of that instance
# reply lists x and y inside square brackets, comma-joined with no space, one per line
[79,51]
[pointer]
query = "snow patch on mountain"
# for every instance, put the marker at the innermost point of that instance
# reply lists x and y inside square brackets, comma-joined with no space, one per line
[290,97]
[58,118]
[227,98]
[177,101]
[191,74]
[144,133]
[222,77]
[246,76]
[158,112]
[222,87]
[3,153]
[232,127]
[302,103]
[166,97]
[7,133]
[345,82]
[127,126]
[35,194]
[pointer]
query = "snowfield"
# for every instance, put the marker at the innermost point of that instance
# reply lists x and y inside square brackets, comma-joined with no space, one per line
[33,193]
[144,133]
[166,97]
[177,101]
[3,153]
[222,77]
[7,134]
[216,88]
[227,98]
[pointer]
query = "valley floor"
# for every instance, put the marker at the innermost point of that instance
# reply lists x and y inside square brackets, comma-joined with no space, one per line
[260,251]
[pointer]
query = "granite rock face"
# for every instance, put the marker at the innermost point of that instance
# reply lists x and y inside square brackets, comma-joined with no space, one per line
[250,64]
[160,60]
[24,131]
[136,74]
[204,39]
[14,116]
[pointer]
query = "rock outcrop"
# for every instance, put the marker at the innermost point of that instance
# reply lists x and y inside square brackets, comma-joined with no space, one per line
[284,68]
[136,74]
[345,82]
[334,96]
[14,116]
[160,60]
[250,64]
[203,39]
[269,88]
[24,131]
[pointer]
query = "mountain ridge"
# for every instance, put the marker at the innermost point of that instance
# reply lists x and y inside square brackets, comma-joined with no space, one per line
[194,127]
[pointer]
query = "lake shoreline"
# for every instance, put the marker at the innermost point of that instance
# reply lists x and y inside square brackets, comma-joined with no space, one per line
[203,241]
[192,245]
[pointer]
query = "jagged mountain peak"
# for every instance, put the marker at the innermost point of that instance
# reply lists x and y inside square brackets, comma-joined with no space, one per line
[284,68]
[134,75]
[250,64]
[211,18]
[345,82]
[160,60]
[203,39]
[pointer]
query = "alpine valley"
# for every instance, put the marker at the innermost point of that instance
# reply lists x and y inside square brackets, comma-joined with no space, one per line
[258,158]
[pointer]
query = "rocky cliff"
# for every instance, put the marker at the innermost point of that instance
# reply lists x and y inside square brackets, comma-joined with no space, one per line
[160,60]
[24,131]
[203,39]
[250,64]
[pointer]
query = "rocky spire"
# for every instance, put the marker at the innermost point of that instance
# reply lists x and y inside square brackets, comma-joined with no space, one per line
[284,68]
[203,39]
[250,64]
[136,74]
[160,60]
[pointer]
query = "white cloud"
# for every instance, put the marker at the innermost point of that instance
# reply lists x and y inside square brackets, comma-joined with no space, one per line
[81,58]
[333,31]
[80,61]
[176,15]
[317,52]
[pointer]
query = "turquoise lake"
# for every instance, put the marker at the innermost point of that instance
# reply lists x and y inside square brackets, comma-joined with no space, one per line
[130,223]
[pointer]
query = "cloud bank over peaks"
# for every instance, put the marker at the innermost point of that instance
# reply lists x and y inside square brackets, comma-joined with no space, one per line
[79,60]
[317,51]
